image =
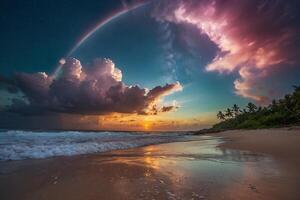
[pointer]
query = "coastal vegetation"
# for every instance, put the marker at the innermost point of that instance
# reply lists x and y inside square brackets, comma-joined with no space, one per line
[279,113]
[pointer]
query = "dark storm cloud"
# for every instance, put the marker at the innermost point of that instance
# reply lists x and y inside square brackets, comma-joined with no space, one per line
[253,36]
[95,89]
[7,84]
[167,108]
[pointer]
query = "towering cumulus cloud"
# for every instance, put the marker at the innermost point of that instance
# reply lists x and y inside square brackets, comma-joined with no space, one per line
[253,36]
[94,89]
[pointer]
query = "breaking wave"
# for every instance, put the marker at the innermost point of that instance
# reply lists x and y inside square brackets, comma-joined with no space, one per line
[19,145]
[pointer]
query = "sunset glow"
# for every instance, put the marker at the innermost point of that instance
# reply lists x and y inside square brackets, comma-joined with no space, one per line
[138,65]
[150,99]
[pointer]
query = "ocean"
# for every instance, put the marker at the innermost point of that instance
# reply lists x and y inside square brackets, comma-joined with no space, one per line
[19,145]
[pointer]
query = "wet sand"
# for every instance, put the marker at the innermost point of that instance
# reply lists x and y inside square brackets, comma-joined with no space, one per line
[203,169]
[282,143]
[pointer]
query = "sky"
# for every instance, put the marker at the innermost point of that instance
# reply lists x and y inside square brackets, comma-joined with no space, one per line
[159,65]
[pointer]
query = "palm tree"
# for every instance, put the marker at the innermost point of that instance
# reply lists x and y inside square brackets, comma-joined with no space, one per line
[296,99]
[273,107]
[280,112]
[229,113]
[221,115]
[251,107]
[288,102]
[236,110]
[259,109]
[296,88]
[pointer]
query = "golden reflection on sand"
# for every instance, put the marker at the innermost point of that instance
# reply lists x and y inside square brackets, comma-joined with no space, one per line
[182,170]
[200,164]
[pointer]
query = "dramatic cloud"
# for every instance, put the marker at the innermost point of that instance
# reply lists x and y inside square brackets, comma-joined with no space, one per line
[253,37]
[93,89]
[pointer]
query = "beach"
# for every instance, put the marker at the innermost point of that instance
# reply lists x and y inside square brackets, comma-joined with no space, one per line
[255,164]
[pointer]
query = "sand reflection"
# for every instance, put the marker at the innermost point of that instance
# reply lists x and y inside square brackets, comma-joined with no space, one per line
[200,169]
[183,170]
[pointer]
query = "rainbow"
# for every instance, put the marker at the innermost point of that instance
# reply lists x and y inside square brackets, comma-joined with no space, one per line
[98,26]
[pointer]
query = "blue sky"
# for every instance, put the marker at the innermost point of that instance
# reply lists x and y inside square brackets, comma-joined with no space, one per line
[136,45]
[159,44]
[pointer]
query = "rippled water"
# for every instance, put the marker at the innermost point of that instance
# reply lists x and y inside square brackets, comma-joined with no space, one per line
[18,145]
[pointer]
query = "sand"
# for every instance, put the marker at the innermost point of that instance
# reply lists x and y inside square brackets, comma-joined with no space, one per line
[260,164]
[282,143]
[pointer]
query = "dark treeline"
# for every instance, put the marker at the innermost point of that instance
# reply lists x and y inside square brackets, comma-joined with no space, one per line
[279,113]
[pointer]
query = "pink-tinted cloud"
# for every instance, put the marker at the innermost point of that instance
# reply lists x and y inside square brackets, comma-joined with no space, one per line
[252,36]
[94,89]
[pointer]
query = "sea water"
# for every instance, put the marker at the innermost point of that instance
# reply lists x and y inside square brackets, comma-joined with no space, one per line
[19,145]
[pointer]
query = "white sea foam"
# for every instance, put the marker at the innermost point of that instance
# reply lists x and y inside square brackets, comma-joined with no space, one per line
[18,145]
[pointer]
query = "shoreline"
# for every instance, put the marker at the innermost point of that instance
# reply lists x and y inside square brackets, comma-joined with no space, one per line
[281,143]
[242,165]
